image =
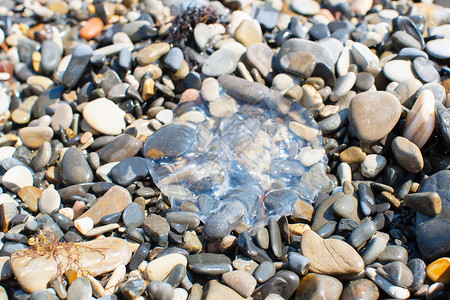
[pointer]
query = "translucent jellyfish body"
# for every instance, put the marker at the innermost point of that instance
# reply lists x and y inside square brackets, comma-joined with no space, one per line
[247,155]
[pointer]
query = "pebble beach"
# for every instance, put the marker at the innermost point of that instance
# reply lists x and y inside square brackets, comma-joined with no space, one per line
[222,150]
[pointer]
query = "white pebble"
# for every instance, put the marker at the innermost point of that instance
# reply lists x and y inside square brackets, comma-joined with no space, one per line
[84,224]
[179,294]
[165,116]
[17,178]
[6,152]
[419,124]
[49,200]
[373,165]
[392,290]
[344,172]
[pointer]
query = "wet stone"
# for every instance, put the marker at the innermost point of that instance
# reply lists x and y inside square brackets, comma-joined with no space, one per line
[407,154]
[366,199]
[364,81]
[298,263]
[139,256]
[275,238]
[362,233]
[264,271]
[439,270]
[397,273]
[209,264]
[132,289]
[133,216]
[417,267]
[174,59]
[273,286]
[387,286]
[185,218]
[129,170]
[427,203]
[250,249]
[393,253]
[346,207]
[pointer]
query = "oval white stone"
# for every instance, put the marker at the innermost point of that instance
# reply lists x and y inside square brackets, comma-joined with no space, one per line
[104,116]
[17,178]
[159,268]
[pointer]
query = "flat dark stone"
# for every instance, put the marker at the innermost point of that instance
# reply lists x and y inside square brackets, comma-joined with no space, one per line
[139,256]
[244,90]
[122,147]
[133,215]
[169,141]
[250,249]
[75,168]
[78,63]
[129,170]
[209,264]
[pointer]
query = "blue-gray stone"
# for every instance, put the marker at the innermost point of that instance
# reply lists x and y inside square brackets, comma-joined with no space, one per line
[78,63]
[298,263]
[295,26]
[319,31]
[425,70]
[133,215]
[50,56]
[431,232]
[267,16]
[443,121]
[174,59]
[75,168]
[412,53]
[22,71]
[124,60]
[129,170]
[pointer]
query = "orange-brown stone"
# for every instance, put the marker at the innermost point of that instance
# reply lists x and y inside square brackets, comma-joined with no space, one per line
[30,196]
[114,201]
[439,270]
[92,28]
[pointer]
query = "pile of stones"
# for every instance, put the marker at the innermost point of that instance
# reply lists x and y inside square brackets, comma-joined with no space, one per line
[235,149]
